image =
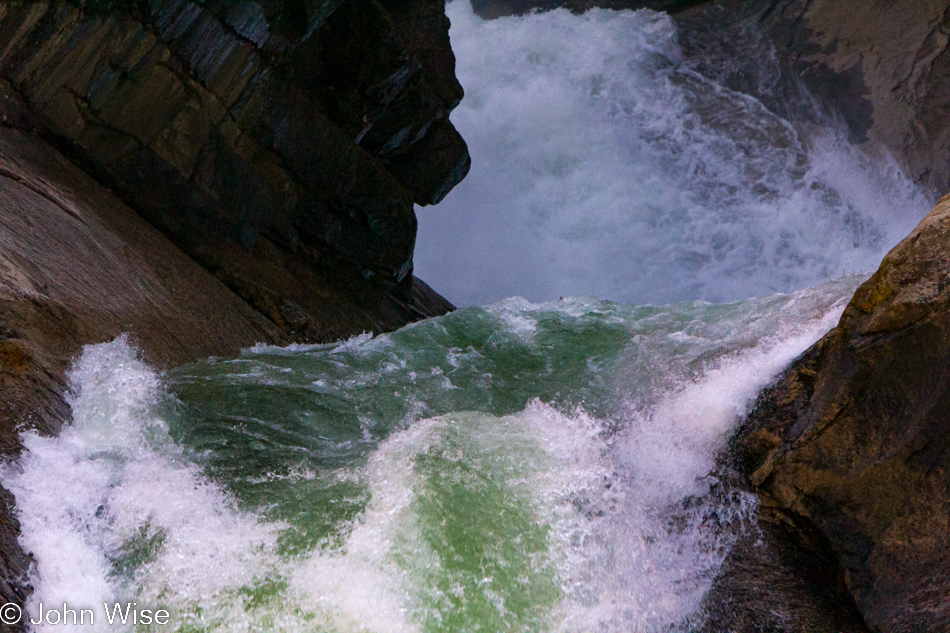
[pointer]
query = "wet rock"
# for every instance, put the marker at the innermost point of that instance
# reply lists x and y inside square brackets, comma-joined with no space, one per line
[310,128]
[780,577]
[882,72]
[862,423]
[76,267]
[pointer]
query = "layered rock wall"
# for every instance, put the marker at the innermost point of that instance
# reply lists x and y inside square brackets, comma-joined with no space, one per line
[280,144]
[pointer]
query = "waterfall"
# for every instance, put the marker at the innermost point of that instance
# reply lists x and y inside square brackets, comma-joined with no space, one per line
[541,460]
[605,163]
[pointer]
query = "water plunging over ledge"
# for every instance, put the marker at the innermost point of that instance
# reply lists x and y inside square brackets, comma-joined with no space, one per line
[604,163]
[517,467]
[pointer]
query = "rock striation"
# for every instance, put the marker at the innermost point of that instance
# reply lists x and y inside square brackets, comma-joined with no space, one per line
[282,145]
[855,436]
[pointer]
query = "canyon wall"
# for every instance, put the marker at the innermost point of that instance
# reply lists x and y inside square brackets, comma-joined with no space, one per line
[882,70]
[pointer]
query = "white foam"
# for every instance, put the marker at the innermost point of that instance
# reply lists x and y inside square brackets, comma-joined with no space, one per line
[649,562]
[633,528]
[113,478]
[602,164]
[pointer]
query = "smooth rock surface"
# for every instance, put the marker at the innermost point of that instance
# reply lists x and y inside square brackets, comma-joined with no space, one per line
[76,267]
[855,437]
[279,144]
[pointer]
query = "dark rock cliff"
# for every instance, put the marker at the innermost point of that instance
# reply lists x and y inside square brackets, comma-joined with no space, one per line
[281,146]
[855,436]
[205,176]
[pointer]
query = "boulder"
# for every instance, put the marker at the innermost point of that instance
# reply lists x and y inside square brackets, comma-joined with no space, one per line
[855,436]
[780,576]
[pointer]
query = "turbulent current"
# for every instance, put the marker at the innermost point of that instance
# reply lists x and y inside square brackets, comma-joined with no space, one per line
[604,163]
[519,467]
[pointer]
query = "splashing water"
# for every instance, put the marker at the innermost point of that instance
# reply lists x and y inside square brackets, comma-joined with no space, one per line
[518,467]
[604,163]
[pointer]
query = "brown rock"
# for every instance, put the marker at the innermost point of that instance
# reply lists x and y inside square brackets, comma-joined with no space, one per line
[883,69]
[864,423]
[780,577]
[78,267]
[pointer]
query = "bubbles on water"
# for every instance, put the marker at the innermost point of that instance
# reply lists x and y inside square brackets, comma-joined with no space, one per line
[292,509]
[111,501]
[604,164]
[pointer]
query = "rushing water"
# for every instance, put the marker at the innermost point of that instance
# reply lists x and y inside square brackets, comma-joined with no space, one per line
[516,467]
[604,163]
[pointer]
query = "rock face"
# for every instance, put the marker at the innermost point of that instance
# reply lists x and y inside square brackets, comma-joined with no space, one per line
[77,266]
[280,144]
[855,437]
[780,577]
[882,69]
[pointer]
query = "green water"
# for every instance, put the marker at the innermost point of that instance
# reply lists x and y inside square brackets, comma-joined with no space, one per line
[512,468]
